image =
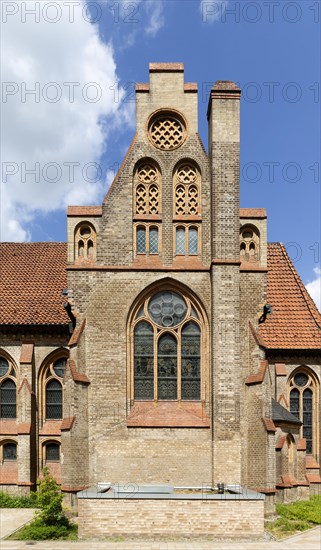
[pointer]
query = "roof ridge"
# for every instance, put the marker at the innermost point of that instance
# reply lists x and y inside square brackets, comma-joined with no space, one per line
[316,315]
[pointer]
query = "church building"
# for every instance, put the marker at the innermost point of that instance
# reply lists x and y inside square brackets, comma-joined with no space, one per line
[167,341]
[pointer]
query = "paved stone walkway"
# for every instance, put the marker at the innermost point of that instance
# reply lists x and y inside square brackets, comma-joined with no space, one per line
[11,519]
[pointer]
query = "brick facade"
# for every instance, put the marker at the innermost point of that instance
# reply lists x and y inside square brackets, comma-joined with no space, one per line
[102,278]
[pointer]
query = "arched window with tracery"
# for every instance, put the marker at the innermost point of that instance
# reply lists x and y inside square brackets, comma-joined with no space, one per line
[85,241]
[147,189]
[187,190]
[167,339]
[303,393]
[51,388]
[249,243]
[8,389]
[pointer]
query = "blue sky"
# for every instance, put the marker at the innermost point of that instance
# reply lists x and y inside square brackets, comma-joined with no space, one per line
[272,49]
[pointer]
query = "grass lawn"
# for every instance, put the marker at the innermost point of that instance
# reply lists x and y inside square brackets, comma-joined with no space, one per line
[295,517]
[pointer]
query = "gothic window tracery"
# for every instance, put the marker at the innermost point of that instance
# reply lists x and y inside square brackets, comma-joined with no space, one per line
[167,130]
[187,190]
[147,190]
[249,244]
[167,349]
[51,387]
[8,389]
[303,390]
[85,242]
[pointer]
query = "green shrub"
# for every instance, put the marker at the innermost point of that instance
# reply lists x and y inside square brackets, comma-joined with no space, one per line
[50,501]
[9,501]
[51,521]
[39,531]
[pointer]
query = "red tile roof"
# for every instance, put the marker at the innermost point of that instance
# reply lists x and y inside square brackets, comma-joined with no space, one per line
[33,276]
[295,322]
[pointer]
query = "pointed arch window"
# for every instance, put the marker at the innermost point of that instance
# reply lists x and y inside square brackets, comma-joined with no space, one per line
[147,189]
[53,400]
[303,391]
[187,183]
[85,241]
[8,389]
[167,336]
[8,399]
[249,243]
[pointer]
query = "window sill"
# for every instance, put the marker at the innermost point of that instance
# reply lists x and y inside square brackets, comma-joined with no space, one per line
[168,414]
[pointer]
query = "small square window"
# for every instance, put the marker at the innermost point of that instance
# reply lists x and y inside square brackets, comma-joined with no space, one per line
[10,451]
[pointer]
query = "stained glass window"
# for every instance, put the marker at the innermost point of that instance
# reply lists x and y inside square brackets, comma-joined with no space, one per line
[144,361]
[153,240]
[10,451]
[301,379]
[304,405]
[53,400]
[295,402]
[167,367]
[4,366]
[52,452]
[191,359]
[141,240]
[192,240]
[167,309]
[307,419]
[180,240]
[167,363]
[60,367]
[8,399]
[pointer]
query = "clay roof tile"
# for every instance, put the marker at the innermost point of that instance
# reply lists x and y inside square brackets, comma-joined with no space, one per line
[295,322]
[33,276]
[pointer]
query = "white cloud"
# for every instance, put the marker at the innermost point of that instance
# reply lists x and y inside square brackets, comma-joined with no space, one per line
[314,288]
[46,136]
[135,18]
[212,10]
[155,11]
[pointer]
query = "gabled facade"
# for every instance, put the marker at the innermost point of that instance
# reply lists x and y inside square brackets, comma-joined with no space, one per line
[172,371]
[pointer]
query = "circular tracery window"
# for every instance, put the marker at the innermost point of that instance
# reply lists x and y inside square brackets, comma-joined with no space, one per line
[167,309]
[4,366]
[301,379]
[167,130]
